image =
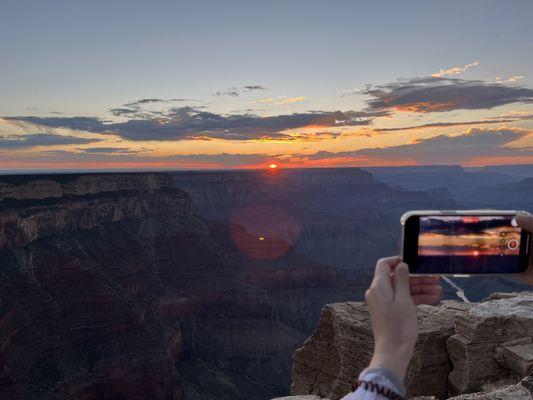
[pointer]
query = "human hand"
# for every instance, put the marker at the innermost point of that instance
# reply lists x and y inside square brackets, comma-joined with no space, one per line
[525,221]
[393,313]
[425,289]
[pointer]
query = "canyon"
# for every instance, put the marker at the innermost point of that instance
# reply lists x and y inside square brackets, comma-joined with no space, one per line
[198,285]
[112,287]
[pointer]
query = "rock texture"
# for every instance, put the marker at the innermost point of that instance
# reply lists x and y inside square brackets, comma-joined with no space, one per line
[492,341]
[112,288]
[342,345]
[475,351]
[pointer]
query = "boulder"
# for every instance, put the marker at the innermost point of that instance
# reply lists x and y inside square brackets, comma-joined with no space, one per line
[342,345]
[484,347]
[472,351]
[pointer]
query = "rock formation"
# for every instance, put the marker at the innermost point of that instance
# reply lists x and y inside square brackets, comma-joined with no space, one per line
[347,219]
[112,288]
[474,351]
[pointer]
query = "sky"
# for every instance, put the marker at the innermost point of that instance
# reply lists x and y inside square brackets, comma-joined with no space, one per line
[244,84]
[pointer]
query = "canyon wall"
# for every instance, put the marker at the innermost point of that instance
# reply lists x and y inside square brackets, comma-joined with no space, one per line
[111,287]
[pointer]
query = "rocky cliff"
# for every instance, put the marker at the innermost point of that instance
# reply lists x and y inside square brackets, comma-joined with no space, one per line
[346,218]
[112,288]
[471,351]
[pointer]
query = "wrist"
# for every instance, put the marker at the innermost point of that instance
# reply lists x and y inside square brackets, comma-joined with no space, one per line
[396,363]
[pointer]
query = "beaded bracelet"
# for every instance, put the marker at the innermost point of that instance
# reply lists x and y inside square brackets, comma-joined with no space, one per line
[374,387]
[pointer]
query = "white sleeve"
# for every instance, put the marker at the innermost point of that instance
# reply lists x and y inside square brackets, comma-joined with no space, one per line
[382,377]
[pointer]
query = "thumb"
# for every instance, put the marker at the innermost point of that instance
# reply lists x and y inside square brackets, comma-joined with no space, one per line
[525,221]
[401,281]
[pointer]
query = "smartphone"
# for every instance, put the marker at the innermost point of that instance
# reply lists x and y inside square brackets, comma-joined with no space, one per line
[463,243]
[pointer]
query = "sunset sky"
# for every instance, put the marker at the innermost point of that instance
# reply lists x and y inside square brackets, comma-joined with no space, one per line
[244,84]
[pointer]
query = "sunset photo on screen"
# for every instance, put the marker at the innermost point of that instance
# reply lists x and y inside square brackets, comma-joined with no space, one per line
[468,236]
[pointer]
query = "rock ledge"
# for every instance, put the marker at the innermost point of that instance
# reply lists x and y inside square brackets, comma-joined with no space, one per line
[472,351]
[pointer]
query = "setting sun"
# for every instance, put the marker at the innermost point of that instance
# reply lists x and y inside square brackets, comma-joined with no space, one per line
[273,166]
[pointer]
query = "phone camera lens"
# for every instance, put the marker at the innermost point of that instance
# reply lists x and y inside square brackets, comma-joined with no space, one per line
[513,244]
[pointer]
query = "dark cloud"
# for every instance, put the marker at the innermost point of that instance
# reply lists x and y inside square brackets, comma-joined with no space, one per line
[40,139]
[113,150]
[90,124]
[434,94]
[474,144]
[447,124]
[141,102]
[445,149]
[249,88]
[119,112]
[188,123]
[234,91]
[231,92]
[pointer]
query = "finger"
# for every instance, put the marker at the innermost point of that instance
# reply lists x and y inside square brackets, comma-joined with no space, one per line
[424,280]
[384,267]
[527,277]
[525,221]
[430,299]
[401,280]
[426,289]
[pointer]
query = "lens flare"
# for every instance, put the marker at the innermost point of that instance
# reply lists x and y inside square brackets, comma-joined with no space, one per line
[264,232]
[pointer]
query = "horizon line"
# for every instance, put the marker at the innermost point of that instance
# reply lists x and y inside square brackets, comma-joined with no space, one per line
[207,170]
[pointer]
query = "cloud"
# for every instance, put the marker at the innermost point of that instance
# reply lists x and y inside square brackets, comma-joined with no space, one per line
[225,159]
[473,144]
[249,88]
[119,112]
[290,100]
[511,79]
[90,124]
[449,124]
[454,70]
[279,100]
[424,95]
[517,115]
[40,139]
[231,92]
[142,102]
[188,123]
[235,91]
[351,92]
[447,149]
[57,159]
[268,100]
[113,150]
[134,109]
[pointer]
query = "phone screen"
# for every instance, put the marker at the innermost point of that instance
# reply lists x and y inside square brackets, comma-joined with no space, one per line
[468,245]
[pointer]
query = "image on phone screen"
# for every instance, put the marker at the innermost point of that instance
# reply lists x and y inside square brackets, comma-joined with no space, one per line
[468,245]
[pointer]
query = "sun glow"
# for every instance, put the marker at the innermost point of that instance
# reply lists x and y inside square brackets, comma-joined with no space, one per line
[273,166]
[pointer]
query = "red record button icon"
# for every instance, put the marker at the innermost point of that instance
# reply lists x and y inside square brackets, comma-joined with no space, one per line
[513,244]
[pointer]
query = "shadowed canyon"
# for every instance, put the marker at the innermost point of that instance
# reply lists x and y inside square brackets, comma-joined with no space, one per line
[200,285]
